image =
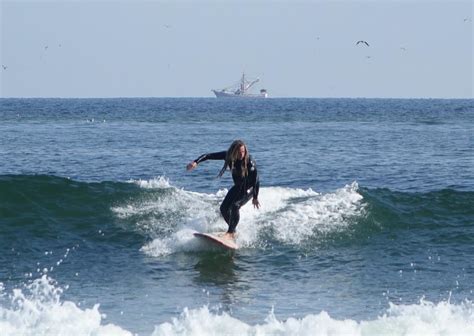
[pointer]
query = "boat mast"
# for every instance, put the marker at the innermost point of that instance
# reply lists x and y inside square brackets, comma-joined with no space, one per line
[242,84]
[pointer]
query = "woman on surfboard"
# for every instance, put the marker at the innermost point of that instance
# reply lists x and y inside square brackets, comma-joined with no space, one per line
[246,183]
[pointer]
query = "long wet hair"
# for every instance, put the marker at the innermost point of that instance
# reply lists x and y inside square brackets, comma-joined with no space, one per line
[232,156]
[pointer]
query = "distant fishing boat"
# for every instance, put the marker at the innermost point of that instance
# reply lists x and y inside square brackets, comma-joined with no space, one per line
[241,90]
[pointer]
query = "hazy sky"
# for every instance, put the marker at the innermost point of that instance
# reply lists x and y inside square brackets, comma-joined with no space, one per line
[418,48]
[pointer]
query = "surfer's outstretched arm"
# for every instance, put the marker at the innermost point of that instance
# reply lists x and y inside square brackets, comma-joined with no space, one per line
[204,157]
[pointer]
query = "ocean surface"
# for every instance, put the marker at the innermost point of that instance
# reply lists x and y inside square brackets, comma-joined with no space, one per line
[366,225]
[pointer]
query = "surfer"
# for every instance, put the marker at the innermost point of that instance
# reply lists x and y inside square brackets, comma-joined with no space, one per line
[246,183]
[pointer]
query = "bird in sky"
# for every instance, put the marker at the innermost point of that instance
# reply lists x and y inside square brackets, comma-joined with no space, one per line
[4,67]
[362,42]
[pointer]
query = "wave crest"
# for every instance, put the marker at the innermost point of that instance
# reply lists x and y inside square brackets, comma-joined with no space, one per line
[39,311]
[288,216]
[421,319]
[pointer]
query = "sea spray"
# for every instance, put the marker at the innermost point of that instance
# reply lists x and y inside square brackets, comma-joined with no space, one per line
[38,310]
[425,318]
[291,216]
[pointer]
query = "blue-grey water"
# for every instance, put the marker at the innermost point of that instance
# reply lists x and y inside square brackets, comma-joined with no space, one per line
[366,225]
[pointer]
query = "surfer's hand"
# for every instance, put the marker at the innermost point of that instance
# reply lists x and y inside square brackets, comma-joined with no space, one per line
[191,165]
[256,203]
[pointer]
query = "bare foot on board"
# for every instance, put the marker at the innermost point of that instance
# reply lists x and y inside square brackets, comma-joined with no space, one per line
[228,235]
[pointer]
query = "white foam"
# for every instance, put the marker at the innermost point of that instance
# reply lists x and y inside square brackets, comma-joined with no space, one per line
[40,312]
[273,201]
[296,215]
[157,182]
[169,211]
[423,319]
[290,215]
[180,241]
[305,216]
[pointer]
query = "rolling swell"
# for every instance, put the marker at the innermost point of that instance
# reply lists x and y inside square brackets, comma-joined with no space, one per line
[445,216]
[393,217]
[432,209]
[39,208]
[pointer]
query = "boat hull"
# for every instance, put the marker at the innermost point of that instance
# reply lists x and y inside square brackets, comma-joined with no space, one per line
[224,94]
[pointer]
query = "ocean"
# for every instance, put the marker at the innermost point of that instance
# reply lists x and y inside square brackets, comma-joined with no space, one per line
[366,225]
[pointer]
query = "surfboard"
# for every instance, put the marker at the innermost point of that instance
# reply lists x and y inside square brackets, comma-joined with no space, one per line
[217,239]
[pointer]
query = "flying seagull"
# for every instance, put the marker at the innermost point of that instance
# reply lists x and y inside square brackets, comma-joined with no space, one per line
[362,42]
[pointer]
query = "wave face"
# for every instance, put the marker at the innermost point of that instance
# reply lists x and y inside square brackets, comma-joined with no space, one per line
[436,210]
[45,207]
[52,208]
[39,208]
[161,217]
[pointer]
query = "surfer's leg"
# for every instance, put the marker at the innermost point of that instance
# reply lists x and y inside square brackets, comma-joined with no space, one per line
[234,218]
[227,204]
[235,211]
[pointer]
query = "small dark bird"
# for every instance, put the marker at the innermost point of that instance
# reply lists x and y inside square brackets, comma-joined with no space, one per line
[167,26]
[46,48]
[362,42]
[4,67]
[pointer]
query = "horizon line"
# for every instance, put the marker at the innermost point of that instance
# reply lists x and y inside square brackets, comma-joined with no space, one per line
[231,99]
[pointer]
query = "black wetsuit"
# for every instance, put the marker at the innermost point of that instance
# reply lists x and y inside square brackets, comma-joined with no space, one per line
[245,188]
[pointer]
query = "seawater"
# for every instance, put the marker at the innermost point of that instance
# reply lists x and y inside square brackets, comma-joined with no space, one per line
[366,225]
